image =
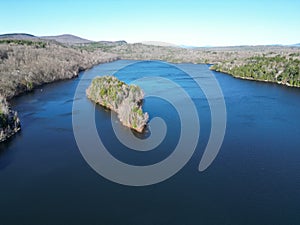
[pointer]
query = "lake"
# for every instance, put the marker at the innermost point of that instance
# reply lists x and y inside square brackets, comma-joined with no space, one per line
[254,179]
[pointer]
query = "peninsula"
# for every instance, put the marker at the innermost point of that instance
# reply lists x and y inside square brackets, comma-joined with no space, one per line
[125,100]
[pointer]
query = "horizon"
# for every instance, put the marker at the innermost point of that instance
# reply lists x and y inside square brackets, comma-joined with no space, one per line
[193,23]
[153,42]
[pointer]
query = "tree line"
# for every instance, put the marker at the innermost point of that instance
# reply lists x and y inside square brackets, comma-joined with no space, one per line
[278,69]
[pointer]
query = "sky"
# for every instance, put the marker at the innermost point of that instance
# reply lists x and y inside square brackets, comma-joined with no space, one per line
[186,22]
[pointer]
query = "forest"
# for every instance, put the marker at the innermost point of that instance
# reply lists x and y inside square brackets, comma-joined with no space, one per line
[278,69]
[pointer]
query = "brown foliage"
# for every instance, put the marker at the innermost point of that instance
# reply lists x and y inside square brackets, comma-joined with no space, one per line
[125,100]
[208,55]
[23,67]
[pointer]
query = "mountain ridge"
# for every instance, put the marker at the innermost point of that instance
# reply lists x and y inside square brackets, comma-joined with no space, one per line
[67,39]
[73,39]
[18,36]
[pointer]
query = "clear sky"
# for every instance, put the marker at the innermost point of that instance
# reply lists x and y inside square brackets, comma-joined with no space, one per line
[189,22]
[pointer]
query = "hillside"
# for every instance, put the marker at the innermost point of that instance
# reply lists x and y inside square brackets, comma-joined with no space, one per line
[269,63]
[111,43]
[25,64]
[209,55]
[31,53]
[19,36]
[28,61]
[67,39]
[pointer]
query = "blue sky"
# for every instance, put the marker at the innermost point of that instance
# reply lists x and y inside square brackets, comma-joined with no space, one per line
[189,22]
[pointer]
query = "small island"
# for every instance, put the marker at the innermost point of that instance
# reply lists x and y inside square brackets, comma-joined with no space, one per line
[9,121]
[125,100]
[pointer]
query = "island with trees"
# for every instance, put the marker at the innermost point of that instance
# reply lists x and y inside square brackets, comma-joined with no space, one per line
[125,100]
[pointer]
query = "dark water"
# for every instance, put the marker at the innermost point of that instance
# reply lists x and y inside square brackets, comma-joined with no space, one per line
[255,178]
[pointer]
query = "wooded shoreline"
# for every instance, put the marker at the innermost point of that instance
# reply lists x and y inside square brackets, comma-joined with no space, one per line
[30,62]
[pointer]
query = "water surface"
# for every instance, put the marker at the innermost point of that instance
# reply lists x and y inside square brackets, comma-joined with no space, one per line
[255,178]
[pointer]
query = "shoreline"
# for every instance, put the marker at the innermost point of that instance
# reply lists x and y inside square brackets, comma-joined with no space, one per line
[279,83]
[8,135]
[126,100]
[9,121]
[76,74]
[9,131]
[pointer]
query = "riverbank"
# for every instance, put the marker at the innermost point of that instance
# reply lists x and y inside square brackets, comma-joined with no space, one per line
[26,65]
[257,80]
[9,121]
[278,69]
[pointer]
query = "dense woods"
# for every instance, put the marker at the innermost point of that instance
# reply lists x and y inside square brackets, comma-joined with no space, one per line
[278,69]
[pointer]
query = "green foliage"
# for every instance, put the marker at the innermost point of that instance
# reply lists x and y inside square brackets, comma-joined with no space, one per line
[103,92]
[37,44]
[29,85]
[134,125]
[126,100]
[107,88]
[93,46]
[140,112]
[279,69]
[3,120]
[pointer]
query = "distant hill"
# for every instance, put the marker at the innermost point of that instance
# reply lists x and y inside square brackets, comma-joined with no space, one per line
[159,43]
[67,39]
[188,46]
[64,39]
[108,43]
[20,36]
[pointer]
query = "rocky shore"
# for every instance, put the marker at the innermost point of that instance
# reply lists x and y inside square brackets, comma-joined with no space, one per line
[125,100]
[9,121]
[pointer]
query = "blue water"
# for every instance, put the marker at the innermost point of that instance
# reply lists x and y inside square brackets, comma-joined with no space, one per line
[255,178]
